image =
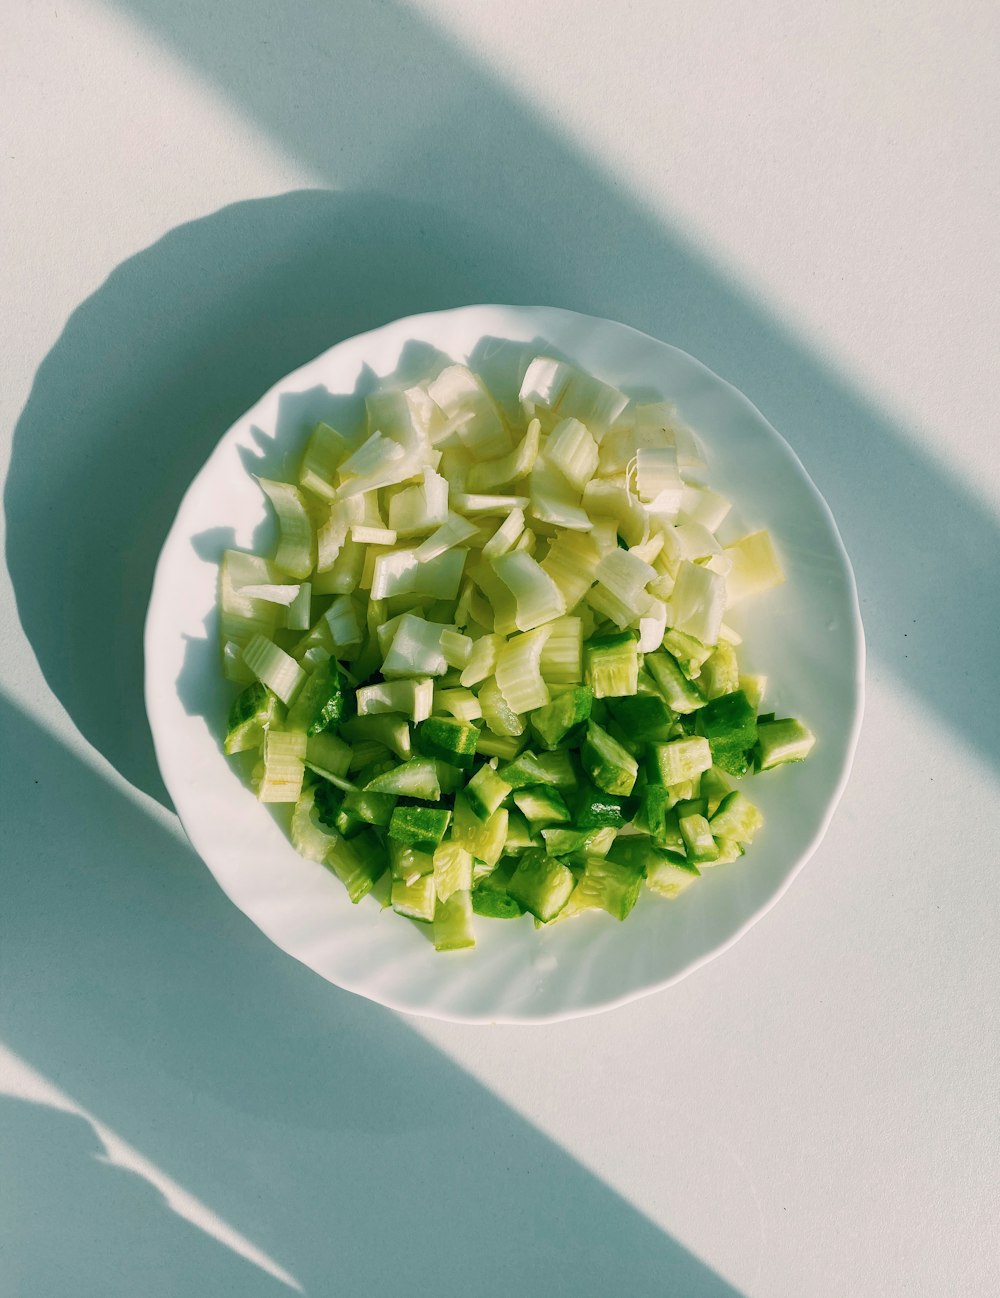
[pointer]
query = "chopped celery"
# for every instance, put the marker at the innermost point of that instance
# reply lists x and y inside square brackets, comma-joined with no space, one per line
[483,660]
[562,656]
[296,553]
[518,674]
[572,450]
[284,766]
[274,668]
[415,649]
[460,703]
[538,598]
[414,698]
[755,568]
[323,455]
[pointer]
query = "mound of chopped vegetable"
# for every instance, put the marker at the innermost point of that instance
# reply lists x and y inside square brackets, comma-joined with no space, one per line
[488,663]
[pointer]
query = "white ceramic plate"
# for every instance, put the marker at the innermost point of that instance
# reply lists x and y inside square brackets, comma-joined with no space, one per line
[806,637]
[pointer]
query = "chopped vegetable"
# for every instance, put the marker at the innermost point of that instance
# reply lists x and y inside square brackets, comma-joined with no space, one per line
[486,663]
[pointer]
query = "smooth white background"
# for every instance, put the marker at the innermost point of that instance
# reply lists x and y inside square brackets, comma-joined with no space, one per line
[805,197]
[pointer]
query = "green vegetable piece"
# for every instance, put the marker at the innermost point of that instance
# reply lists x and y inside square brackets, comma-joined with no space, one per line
[420,827]
[494,903]
[416,900]
[644,717]
[252,712]
[527,769]
[358,864]
[449,740]
[729,851]
[658,817]
[613,886]
[309,837]
[782,741]
[453,929]
[721,673]
[372,808]
[697,834]
[730,726]
[577,844]
[610,766]
[596,809]
[321,703]
[407,863]
[542,805]
[484,839]
[506,747]
[714,787]
[541,885]
[681,694]
[452,870]
[498,715]
[612,664]
[555,722]
[486,791]
[681,759]
[690,654]
[490,896]
[417,778]
[736,818]
[671,875]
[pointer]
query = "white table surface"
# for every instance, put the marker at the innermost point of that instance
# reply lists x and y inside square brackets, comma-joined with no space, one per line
[195,197]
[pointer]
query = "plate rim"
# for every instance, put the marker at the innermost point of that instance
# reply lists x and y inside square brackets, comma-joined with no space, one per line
[157,720]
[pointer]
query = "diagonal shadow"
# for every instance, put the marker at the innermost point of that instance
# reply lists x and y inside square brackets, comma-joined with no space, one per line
[477,201]
[322,1128]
